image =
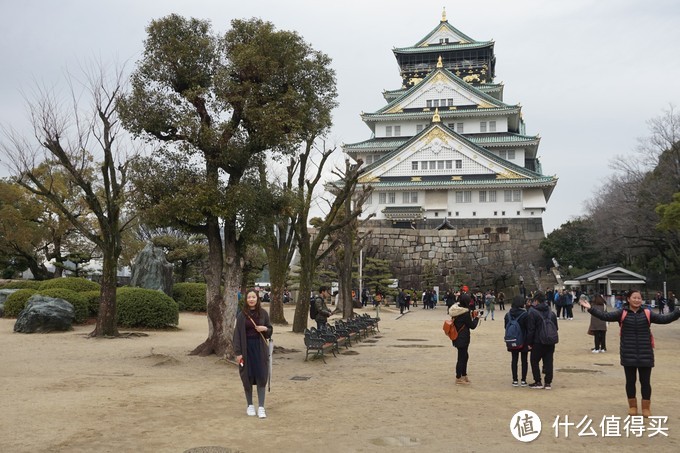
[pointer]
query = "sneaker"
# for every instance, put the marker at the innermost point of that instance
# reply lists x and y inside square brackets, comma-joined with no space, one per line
[261,413]
[250,411]
[536,385]
[515,384]
[602,350]
[523,383]
[595,351]
[548,386]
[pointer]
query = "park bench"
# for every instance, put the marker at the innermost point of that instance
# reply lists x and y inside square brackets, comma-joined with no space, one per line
[318,344]
[342,337]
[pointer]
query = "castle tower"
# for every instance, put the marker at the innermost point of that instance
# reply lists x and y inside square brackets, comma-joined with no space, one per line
[446,145]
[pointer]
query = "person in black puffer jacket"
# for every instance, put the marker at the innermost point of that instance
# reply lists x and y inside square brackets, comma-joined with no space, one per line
[637,353]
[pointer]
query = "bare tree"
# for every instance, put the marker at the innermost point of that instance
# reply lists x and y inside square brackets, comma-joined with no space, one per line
[82,143]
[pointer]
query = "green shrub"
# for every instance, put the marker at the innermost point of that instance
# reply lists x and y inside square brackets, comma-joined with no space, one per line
[21,284]
[76,284]
[17,301]
[92,298]
[189,296]
[80,307]
[140,307]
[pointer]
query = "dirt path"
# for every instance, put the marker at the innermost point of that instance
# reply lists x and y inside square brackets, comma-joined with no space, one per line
[66,393]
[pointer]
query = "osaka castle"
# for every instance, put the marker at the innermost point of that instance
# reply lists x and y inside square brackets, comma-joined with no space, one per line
[446,146]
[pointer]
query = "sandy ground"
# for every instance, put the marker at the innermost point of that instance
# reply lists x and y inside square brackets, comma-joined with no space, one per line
[64,392]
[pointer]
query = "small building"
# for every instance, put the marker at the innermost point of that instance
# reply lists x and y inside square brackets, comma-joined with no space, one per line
[608,280]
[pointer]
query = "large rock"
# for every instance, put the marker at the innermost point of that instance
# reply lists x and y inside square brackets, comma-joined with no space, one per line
[152,271]
[45,314]
[4,294]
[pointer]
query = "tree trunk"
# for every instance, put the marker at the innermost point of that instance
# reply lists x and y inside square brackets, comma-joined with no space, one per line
[306,279]
[215,307]
[278,269]
[106,319]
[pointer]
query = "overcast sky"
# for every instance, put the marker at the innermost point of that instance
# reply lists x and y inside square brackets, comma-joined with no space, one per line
[589,74]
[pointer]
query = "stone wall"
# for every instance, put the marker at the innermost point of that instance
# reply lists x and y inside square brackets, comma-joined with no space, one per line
[476,252]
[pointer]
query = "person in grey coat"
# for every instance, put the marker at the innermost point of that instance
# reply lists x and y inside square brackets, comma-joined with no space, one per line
[598,327]
[252,350]
[637,345]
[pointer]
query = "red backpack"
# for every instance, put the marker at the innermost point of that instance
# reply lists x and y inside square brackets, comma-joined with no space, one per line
[648,313]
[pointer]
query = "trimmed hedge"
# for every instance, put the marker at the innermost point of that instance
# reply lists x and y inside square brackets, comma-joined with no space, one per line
[21,284]
[140,307]
[77,284]
[190,296]
[92,298]
[17,301]
[80,307]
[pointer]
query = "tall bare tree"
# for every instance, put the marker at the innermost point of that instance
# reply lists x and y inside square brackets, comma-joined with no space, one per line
[84,143]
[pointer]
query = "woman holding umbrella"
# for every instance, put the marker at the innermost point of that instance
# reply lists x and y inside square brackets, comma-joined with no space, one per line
[252,350]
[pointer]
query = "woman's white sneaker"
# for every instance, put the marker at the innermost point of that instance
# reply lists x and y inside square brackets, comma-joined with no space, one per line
[261,413]
[250,411]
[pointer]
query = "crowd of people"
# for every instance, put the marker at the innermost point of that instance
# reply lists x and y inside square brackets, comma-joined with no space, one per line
[531,333]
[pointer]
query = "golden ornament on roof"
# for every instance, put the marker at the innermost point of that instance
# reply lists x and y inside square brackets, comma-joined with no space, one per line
[439,62]
[444,14]
[436,118]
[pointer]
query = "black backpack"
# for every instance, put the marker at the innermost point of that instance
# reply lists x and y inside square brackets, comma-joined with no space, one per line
[312,308]
[548,332]
[514,336]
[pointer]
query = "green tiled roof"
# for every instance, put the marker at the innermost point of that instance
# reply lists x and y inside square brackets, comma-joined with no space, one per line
[484,152]
[455,79]
[543,181]
[442,47]
[390,143]
[458,113]
[451,28]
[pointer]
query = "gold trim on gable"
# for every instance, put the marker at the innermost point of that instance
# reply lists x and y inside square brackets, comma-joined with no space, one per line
[416,179]
[508,175]
[456,178]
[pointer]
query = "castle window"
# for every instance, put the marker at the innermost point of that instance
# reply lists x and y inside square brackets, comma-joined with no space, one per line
[419,127]
[429,103]
[424,165]
[482,196]
[495,213]
[459,164]
[459,128]
[518,213]
[450,102]
[410,197]
[492,196]
[463,196]
[382,198]
[397,131]
[391,198]
[449,164]
[433,165]
[440,165]
[369,199]
[414,165]
[435,103]
[492,126]
[512,195]
[457,213]
[511,154]
[388,131]
[452,126]
[502,212]
[482,126]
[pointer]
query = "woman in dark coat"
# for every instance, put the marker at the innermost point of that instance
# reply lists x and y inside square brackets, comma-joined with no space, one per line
[463,322]
[637,353]
[252,351]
